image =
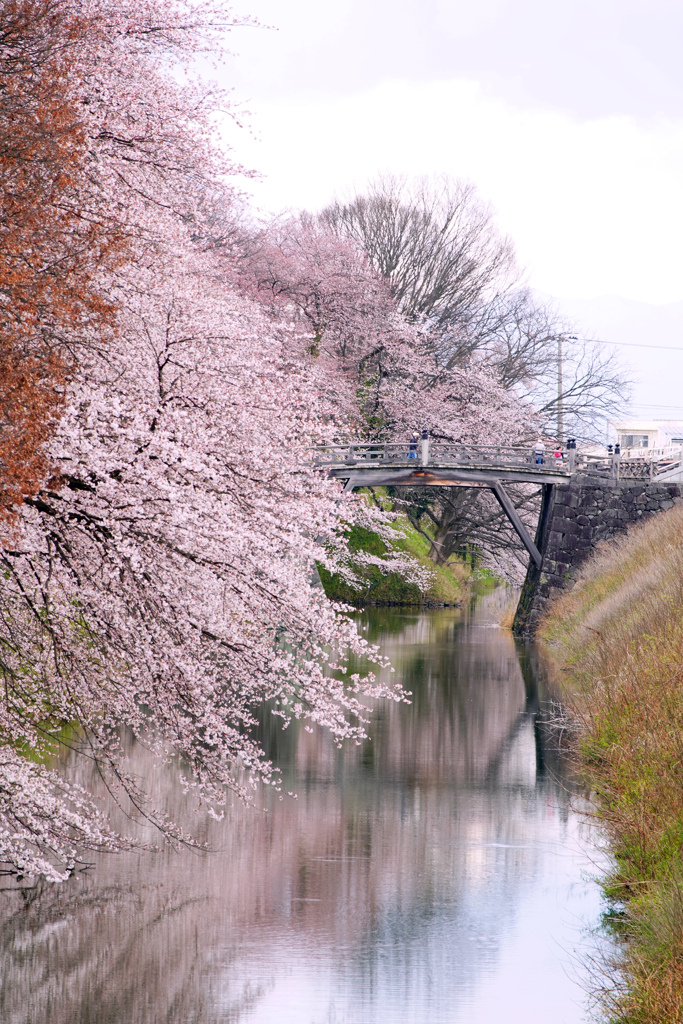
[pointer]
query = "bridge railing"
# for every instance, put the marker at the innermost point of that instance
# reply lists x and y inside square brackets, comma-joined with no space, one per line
[618,467]
[435,454]
[594,464]
[335,454]
[442,453]
[636,469]
[666,465]
[612,467]
[671,451]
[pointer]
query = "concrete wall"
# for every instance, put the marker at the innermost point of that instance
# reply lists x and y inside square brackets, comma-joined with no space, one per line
[574,520]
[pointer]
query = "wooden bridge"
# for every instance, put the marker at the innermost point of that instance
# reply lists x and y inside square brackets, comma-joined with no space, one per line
[437,464]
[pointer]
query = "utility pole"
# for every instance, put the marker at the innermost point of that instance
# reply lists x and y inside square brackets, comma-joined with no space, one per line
[560,385]
[560,423]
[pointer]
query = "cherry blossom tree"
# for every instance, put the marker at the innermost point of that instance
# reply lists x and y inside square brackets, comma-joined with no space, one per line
[385,371]
[163,580]
[436,244]
[51,246]
[167,584]
[386,375]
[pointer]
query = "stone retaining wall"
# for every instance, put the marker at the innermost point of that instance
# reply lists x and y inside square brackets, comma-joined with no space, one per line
[574,521]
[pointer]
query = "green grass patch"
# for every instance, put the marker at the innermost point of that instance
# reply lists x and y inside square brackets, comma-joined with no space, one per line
[377,588]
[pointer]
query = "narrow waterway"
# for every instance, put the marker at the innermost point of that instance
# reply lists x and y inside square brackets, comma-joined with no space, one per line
[439,873]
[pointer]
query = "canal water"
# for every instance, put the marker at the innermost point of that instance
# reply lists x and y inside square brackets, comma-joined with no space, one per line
[439,874]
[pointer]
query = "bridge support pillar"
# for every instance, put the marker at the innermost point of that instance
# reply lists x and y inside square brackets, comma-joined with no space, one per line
[525,620]
[514,517]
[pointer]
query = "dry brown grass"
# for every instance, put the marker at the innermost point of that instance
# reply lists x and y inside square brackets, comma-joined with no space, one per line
[507,618]
[617,640]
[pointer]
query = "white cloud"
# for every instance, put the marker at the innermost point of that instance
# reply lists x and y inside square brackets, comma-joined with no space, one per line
[594,206]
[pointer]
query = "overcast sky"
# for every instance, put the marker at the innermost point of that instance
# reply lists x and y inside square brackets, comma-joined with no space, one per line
[567,116]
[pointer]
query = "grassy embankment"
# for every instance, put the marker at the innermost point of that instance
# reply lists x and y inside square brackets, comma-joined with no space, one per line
[450,586]
[617,638]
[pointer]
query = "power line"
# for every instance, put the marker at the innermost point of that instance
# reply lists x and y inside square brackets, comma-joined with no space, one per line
[640,412]
[635,344]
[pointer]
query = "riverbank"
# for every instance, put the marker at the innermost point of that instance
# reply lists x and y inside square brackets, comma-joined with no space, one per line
[450,588]
[617,641]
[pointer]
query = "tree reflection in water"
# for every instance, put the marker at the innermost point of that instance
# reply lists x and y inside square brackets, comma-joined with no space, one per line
[433,874]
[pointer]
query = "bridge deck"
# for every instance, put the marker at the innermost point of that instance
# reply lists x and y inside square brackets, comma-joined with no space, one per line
[438,464]
[435,464]
[444,474]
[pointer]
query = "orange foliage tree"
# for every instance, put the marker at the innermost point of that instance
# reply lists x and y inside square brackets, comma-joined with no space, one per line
[53,245]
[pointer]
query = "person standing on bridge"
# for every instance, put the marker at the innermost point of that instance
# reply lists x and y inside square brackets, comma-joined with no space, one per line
[412,451]
[539,452]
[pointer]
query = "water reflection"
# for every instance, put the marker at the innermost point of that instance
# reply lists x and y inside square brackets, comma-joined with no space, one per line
[432,875]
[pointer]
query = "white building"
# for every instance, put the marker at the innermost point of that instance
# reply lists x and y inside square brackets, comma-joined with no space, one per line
[636,435]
